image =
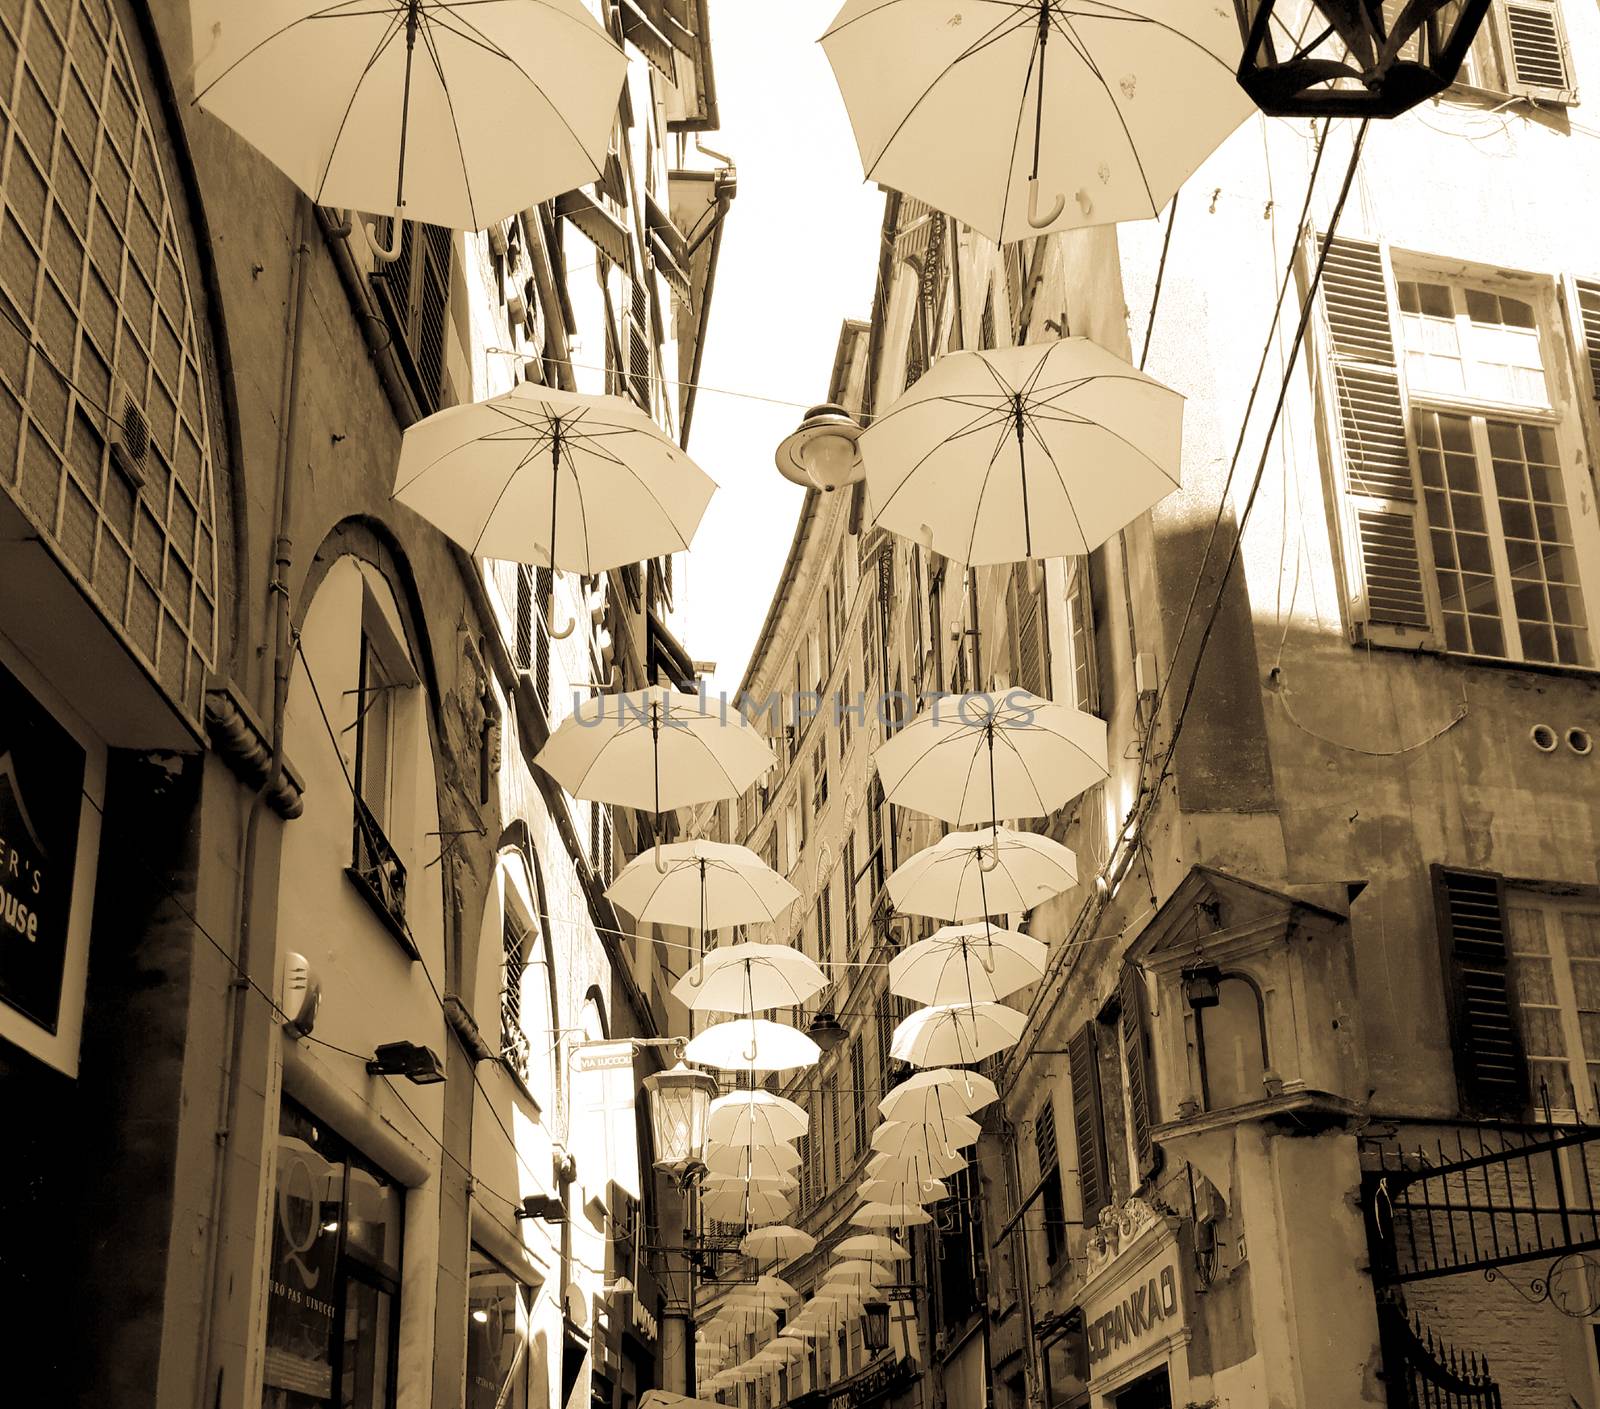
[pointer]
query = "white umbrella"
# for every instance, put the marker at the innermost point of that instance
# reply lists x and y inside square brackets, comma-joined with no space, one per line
[664,1399]
[523,476]
[1020,116]
[749,978]
[956,1032]
[765,1290]
[934,1094]
[745,1206]
[967,963]
[856,1271]
[755,1118]
[784,1184]
[655,749]
[980,757]
[898,1191]
[703,885]
[752,1045]
[990,871]
[931,1163]
[779,1243]
[953,1132]
[878,1215]
[749,1159]
[1040,451]
[872,1246]
[409,104]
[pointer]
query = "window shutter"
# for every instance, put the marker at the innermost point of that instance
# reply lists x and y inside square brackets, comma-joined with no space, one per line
[1136,1059]
[1584,306]
[858,1094]
[1534,52]
[833,1121]
[1049,1154]
[1088,1123]
[524,622]
[1080,630]
[852,927]
[885,1019]
[1491,1071]
[1369,429]
[1029,647]
[544,595]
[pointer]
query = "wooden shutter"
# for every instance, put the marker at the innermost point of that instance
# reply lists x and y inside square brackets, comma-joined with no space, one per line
[1080,632]
[1028,648]
[1384,565]
[885,1023]
[852,926]
[1583,303]
[1049,1153]
[524,622]
[833,1120]
[1534,55]
[544,595]
[1491,1071]
[1088,1122]
[858,1094]
[1135,1032]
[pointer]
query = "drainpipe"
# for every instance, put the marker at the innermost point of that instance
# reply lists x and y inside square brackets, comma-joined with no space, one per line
[239,986]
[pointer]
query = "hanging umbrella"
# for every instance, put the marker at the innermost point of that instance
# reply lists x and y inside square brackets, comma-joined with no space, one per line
[981,757]
[1021,116]
[748,1159]
[943,1091]
[756,1118]
[406,105]
[704,885]
[789,1347]
[749,978]
[564,479]
[971,963]
[745,1206]
[873,1247]
[990,871]
[877,1215]
[932,1163]
[779,1243]
[765,1291]
[752,1045]
[954,1132]
[664,1399]
[655,749]
[901,1191]
[858,1271]
[784,1184]
[956,1032]
[1040,451]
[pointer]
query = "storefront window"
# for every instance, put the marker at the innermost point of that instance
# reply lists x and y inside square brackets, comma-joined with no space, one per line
[497,1337]
[335,1267]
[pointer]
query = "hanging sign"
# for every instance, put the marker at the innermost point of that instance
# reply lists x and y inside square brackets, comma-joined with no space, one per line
[41,796]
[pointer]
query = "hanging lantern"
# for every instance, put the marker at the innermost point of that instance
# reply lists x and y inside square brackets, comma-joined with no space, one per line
[1352,58]
[680,1101]
[822,454]
[875,1326]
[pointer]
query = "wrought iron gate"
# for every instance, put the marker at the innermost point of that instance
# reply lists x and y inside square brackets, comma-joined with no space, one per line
[1425,1373]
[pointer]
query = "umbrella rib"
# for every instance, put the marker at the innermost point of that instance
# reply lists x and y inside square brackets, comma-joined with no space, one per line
[455,127]
[1115,14]
[1011,164]
[1133,148]
[983,489]
[932,451]
[338,136]
[504,490]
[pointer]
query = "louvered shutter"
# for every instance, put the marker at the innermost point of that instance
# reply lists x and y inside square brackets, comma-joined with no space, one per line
[1135,1033]
[544,595]
[852,926]
[858,1094]
[885,1023]
[1029,652]
[1049,1155]
[524,622]
[1583,303]
[1384,564]
[1533,49]
[1491,1070]
[1088,1122]
[833,1121]
[1080,631]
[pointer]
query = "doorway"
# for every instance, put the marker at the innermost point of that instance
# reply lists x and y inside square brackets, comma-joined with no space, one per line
[1150,1391]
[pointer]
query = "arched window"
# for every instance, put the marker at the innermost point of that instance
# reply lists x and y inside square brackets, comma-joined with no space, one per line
[1232,1036]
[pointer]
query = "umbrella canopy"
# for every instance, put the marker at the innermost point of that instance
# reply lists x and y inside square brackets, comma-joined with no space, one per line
[763,1291]
[745,1206]
[761,1183]
[655,749]
[407,104]
[877,1215]
[967,963]
[853,1270]
[932,1095]
[956,1032]
[744,1160]
[779,1243]
[758,1118]
[985,756]
[931,1163]
[900,1191]
[518,477]
[1040,451]
[749,978]
[702,885]
[664,1399]
[872,1246]
[1037,115]
[753,1045]
[990,871]
[895,1137]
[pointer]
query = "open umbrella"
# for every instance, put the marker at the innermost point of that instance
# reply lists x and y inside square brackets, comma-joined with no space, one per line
[981,757]
[897,1191]
[406,105]
[1040,451]
[749,978]
[779,1243]
[754,1118]
[929,1163]
[967,963]
[750,1159]
[784,1184]
[956,1032]
[990,871]
[1020,116]
[872,1246]
[563,479]
[939,1092]
[953,1132]
[753,1045]
[704,885]
[746,1206]
[879,1215]
[664,1399]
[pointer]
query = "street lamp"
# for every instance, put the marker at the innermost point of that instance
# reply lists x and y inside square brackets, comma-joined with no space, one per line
[1352,58]
[680,1104]
[822,453]
[875,1326]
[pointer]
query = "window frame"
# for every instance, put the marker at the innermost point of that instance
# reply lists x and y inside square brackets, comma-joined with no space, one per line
[1570,1014]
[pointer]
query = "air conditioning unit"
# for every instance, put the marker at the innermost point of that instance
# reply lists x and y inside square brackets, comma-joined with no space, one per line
[128,435]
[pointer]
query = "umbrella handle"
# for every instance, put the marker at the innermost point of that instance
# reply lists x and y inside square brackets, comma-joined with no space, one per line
[661,865]
[384,254]
[988,860]
[563,632]
[1050,216]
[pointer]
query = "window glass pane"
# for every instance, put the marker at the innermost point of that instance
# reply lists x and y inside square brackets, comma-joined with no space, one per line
[375,703]
[368,1326]
[497,1329]
[1463,562]
[1535,991]
[375,1215]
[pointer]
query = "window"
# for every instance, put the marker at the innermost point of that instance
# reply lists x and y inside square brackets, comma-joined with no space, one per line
[375,864]
[1080,638]
[1050,1199]
[1554,945]
[835,1130]
[875,806]
[1522,49]
[825,955]
[1459,469]
[1088,1121]
[1232,1040]
[414,293]
[842,707]
[1138,1070]
[858,1094]
[333,1304]
[535,586]
[819,777]
[514,964]
[497,1334]
[852,926]
[1029,651]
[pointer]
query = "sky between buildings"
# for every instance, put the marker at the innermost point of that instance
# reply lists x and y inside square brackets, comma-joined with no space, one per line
[798,257]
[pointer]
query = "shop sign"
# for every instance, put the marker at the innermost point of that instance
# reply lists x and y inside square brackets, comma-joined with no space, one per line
[875,1383]
[41,796]
[1147,1306]
[643,1321]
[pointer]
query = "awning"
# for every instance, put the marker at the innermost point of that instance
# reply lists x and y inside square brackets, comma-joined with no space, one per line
[595,221]
[643,34]
[664,651]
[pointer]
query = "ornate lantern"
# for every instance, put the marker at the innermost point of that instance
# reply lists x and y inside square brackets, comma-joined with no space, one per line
[875,1326]
[1352,58]
[680,1103]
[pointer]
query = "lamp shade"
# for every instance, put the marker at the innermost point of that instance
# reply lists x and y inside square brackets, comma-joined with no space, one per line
[680,1102]
[875,1326]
